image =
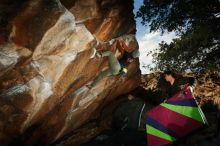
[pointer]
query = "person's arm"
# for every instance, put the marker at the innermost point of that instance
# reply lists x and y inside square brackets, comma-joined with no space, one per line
[187,80]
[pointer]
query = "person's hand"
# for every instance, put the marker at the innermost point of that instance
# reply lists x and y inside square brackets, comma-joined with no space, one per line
[130,60]
[130,97]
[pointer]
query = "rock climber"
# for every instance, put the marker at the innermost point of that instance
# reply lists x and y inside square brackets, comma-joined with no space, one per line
[116,66]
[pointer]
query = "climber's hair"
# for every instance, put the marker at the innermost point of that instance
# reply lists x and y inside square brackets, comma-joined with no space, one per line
[169,72]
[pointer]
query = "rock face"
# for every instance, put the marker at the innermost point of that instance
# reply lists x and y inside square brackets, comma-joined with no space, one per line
[45,63]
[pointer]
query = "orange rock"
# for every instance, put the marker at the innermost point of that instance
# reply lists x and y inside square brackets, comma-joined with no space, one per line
[45,65]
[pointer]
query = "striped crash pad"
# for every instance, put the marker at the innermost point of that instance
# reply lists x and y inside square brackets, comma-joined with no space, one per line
[177,117]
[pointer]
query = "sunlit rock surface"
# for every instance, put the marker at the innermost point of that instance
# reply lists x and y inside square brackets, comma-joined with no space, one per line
[45,63]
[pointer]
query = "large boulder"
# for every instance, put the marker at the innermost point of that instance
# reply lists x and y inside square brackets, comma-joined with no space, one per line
[45,63]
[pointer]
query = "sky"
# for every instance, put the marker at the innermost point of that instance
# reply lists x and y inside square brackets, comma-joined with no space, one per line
[147,41]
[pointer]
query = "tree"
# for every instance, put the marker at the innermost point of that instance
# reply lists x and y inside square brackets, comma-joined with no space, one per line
[197,25]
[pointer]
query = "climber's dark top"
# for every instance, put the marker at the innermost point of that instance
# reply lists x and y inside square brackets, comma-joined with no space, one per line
[124,60]
[124,63]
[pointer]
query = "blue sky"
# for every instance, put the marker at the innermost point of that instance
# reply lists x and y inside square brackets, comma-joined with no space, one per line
[147,41]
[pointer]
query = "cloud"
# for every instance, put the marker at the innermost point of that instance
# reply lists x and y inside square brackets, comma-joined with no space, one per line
[149,42]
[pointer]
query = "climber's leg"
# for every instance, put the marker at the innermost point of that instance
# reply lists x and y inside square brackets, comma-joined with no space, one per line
[114,64]
[102,75]
[114,67]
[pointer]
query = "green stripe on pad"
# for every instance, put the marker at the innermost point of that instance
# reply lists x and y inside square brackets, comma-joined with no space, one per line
[191,112]
[153,131]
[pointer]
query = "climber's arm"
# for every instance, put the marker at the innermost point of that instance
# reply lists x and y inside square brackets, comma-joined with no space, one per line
[106,53]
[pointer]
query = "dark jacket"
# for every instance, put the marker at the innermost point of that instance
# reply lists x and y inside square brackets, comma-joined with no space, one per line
[124,60]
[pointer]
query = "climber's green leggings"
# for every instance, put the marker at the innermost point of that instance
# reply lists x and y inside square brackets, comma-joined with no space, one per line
[114,67]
